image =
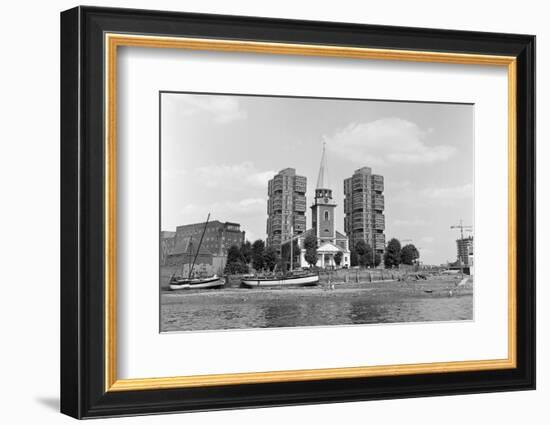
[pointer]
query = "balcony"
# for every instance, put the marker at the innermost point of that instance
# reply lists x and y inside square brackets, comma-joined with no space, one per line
[378,202]
[357,226]
[300,188]
[300,204]
[379,237]
[379,226]
[379,187]
[299,218]
[277,203]
[277,185]
[276,227]
[357,198]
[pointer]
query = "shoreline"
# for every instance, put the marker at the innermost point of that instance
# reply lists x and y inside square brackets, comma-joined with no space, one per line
[383,290]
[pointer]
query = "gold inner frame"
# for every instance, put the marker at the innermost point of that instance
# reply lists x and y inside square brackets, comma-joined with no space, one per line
[113,41]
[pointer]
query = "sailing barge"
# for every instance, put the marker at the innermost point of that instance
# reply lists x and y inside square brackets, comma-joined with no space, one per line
[291,279]
[192,282]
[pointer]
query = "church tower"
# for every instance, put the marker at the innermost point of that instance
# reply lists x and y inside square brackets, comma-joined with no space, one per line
[323,207]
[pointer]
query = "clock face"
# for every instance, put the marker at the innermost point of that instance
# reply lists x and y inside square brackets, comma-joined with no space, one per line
[326,200]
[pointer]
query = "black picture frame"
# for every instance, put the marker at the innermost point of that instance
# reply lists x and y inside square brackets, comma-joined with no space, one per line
[83,392]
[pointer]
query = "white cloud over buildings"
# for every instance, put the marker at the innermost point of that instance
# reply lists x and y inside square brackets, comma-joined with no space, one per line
[239,176]
[220,109]
[452,193]
[218,210]
[387,141]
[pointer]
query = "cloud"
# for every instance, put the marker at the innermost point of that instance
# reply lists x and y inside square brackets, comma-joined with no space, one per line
[221,109]
[248,205]
[387,141]
[452,193]
[427,239]
[236,176]
[409,222]
[224,210]
[443,196]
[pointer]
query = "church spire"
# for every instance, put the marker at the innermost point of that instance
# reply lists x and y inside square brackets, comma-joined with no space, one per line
[322,179]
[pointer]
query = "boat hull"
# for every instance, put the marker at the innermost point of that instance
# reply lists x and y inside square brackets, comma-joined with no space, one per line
[214,282]
[289,281]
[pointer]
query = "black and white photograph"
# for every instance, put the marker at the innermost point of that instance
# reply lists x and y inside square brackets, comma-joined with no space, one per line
[300,211]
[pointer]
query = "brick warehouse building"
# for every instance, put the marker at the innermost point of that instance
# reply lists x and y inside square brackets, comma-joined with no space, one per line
[167,244]
[286,206]
[364,207]
[218,238]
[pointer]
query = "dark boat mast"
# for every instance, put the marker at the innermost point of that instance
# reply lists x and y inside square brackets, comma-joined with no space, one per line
[199,247]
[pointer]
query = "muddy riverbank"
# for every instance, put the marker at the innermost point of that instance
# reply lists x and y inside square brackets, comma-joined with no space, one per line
[436,299]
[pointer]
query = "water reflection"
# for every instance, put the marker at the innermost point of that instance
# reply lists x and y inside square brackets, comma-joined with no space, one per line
[285,313]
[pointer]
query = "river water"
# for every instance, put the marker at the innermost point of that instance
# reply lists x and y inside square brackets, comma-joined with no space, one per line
[240,313]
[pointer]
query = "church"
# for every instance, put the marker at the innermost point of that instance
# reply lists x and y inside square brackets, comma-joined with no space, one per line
[329,240]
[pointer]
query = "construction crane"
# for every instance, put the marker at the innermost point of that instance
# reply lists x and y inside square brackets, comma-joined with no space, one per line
[462,228]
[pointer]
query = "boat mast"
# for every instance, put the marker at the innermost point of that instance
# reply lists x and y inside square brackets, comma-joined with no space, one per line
[291,240]
[190,251]
[199,247]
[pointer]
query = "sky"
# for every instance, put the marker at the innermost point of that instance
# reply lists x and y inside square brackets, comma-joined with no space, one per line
[219,151]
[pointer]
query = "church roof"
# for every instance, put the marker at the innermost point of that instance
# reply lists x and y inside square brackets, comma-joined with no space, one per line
[311,230]
[322,178]
[340,235]
[329,248]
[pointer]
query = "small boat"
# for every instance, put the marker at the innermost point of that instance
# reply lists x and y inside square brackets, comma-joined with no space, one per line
[191,282]
[292,278]
[197,283]
[281,280]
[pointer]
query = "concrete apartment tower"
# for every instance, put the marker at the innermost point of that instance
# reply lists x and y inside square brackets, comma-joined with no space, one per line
[465,250]
[363,208]
[286,207]
[322,210]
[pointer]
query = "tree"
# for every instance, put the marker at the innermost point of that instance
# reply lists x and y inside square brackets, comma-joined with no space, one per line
[258,248]
[377,259]
[310,244]
[409,254]
[236,267]
[246,252]
[353,258]
[234,254]
[338,258]
[365,255]
[235,261]
[392,256]
[270,258]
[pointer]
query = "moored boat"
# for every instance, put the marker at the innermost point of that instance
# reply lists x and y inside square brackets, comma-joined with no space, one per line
[281,280]
[191,282]
[197,283]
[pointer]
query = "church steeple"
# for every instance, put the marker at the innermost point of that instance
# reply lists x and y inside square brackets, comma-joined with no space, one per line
[322,179]
[322,217]
[322,189]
